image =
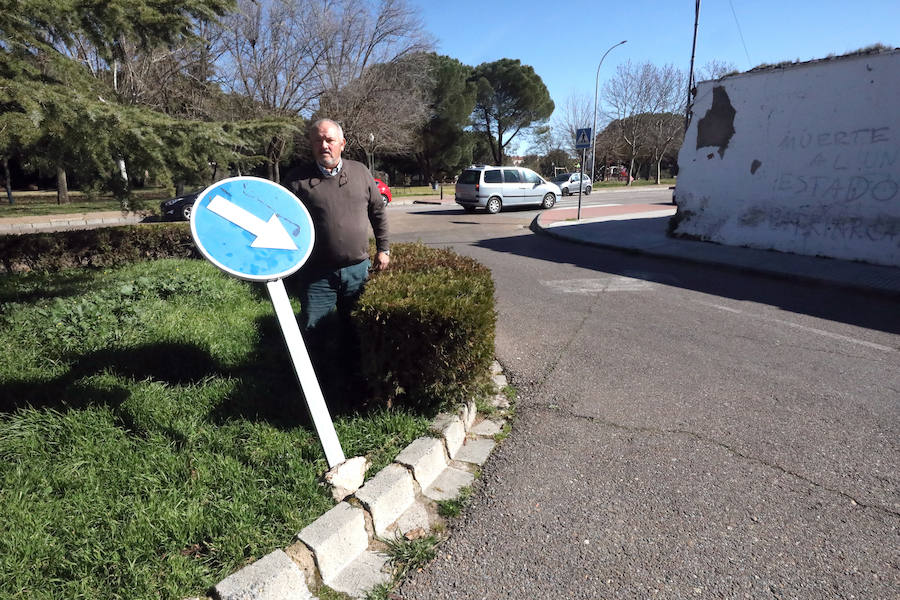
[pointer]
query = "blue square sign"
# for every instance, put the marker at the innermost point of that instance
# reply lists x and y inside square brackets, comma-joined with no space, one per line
[583,138]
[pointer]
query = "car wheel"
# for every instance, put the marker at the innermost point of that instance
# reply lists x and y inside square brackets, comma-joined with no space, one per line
[469,209]
[384,200]
[494,205]
[186,211]
[549,201]
[587,190]
[565,191]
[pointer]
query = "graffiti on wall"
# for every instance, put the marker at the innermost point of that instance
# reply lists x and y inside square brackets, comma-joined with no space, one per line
[847,166]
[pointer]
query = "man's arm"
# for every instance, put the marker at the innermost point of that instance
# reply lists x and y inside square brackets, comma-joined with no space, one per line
[378,219]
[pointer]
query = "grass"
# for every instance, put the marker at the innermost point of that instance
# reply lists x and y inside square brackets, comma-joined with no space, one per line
[29,203]
[455,506]
[152,435]
[422,190]
[636,182]
[405,556]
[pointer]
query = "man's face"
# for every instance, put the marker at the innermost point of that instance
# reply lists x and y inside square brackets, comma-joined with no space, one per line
[327,145]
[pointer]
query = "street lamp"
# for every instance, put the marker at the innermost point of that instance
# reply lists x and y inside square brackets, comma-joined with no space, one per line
[594,129]
[371,154]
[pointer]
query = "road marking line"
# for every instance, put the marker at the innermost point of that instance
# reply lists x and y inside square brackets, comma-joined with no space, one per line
[822,332]
[613,283]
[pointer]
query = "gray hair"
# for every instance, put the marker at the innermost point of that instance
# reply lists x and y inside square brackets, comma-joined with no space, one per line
[319,122]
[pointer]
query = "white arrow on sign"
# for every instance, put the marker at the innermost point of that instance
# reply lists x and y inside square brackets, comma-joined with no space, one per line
[269,234]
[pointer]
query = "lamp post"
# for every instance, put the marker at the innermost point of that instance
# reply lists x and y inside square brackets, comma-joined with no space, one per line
[371,154]
[594,128]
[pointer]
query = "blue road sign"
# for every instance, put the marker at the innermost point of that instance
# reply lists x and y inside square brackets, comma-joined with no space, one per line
[252,228]
[583,138]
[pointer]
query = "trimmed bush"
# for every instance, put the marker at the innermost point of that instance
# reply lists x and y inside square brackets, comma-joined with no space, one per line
[426,327]
[100,248]
[426,324]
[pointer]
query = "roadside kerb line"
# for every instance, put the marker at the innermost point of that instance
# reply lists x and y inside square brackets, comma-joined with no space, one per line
[343,548]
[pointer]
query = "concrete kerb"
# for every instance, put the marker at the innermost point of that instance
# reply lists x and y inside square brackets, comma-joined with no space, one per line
[870,278]
[49,223]
[343,548]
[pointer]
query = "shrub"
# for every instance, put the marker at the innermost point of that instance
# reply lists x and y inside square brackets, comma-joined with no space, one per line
[101,247]
[426,327]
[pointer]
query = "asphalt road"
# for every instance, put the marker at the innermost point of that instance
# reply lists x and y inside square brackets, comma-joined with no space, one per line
[681,431]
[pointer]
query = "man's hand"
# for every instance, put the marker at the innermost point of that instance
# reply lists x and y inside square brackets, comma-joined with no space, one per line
[381,261]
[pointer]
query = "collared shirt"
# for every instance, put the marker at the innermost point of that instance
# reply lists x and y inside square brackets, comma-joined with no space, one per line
[331,172]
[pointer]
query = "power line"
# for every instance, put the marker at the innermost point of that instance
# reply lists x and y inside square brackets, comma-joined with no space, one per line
[741,33]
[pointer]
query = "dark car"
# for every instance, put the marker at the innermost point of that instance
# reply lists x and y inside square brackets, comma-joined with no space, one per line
[385,191]
[178,209]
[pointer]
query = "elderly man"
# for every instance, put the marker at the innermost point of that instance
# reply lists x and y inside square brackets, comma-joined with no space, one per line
[343,199]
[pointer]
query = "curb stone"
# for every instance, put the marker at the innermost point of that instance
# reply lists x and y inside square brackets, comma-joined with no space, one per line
[341,549]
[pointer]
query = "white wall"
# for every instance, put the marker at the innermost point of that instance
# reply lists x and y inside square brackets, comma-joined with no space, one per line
[812,166]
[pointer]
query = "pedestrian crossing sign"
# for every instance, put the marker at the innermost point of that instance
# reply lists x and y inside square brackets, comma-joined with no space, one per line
[583,138]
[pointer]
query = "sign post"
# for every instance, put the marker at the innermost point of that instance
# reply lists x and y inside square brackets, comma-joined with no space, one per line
[257,230]
[582,142]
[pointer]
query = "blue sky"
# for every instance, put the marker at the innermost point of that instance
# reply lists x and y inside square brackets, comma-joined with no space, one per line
[564,40]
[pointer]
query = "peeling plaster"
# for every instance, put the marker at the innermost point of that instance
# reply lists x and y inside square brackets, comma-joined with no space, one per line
[716,128]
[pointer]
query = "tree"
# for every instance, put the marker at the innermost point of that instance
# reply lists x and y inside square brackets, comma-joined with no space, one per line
[373,74]
[667,120]
[443,147]
[556,158]
[637,94]
[610,148]
[577,113]
[714,69]
[58,52]
[510,98]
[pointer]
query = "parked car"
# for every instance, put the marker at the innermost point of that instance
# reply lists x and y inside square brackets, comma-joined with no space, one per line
[385,191]
[178,209]
[493,188]
[568,183]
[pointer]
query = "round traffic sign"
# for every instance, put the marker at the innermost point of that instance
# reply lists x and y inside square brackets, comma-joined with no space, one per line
[252,228]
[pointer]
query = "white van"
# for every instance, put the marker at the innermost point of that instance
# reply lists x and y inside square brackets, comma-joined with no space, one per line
[493,188]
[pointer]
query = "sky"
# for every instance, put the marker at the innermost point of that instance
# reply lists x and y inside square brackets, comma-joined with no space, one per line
[565,40]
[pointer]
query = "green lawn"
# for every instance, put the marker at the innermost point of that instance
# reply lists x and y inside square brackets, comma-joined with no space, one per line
[28,203]
[635,183]
[152,435]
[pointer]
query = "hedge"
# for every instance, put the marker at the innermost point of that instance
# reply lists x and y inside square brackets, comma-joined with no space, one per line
[426,325]
[99,248]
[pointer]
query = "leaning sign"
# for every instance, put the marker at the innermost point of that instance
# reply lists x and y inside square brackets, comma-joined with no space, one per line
[257,230]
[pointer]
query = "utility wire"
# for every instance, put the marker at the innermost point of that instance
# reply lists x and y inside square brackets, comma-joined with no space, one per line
[741,33]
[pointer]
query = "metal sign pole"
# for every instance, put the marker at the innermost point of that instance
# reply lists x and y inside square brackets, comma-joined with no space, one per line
[315,402]
[580,184]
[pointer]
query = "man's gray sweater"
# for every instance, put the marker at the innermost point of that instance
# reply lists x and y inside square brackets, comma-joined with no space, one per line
[342,207]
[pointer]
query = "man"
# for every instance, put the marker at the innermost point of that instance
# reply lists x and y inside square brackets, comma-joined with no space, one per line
[343,199]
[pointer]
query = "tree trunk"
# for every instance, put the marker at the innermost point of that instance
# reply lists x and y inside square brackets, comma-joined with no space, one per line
[630,171]
[62,187]
[7,181]
[123,192]
[274,152]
